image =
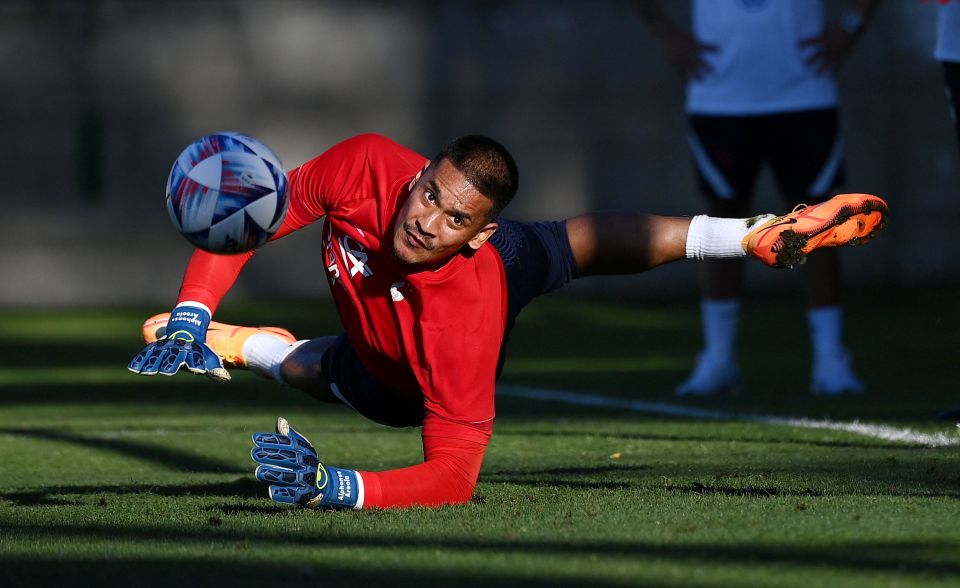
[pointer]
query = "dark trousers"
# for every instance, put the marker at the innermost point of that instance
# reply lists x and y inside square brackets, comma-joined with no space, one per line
[951,76]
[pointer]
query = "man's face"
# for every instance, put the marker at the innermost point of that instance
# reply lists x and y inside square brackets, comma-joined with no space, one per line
[443,213]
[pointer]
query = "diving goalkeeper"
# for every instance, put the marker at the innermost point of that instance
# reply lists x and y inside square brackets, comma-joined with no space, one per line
[428,280]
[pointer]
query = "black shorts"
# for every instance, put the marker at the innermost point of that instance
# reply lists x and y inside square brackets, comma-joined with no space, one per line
[536,258]
[951,78]
[803,148]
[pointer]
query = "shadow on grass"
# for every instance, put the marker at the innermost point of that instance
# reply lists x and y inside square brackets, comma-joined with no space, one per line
[719,438]
[51,496]
[578,478]
[748,491]
[170,458]
[923,558]
[840,477]
[135,390]
[165,572]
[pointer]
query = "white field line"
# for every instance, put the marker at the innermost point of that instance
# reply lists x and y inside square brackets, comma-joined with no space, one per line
[884,432]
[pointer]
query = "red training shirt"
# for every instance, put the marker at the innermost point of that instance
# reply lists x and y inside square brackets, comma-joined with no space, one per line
[433,333]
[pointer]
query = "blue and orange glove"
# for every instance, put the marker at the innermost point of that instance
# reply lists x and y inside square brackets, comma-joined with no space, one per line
[290,464]
[183,344]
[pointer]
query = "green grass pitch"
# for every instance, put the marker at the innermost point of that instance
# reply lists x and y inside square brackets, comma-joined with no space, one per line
[107,478]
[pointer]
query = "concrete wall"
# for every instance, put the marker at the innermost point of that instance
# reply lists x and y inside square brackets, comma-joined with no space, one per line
[100,96]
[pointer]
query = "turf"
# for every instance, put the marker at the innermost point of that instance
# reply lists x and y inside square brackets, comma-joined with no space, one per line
[108,478]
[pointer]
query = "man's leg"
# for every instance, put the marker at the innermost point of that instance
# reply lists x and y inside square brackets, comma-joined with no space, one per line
[329,370]
[302,369]
[808,164]
[727,154]
[626,242]
[721,284]
[951,79]
[605,243]
[620,243]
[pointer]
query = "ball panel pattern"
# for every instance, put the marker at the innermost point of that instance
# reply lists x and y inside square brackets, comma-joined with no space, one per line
[227,193]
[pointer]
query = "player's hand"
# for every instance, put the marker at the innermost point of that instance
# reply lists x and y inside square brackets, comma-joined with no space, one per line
[290,464]
[182,346]
[829,49]
[686,54]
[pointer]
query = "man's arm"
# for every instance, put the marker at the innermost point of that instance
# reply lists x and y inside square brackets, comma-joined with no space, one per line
[448,475]
[290,464]
[681,50]
[832,46]
[207,280]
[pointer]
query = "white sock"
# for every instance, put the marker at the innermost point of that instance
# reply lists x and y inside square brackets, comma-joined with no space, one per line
[826,330]
[265,353]
[720,319]
[716,238]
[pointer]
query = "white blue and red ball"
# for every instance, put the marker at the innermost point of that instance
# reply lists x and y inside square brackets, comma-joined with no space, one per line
[227,193]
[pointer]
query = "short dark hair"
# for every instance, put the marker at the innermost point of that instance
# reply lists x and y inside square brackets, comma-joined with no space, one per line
[487,165]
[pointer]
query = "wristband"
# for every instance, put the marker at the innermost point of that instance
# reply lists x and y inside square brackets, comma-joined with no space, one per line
[339,488]
[188,323]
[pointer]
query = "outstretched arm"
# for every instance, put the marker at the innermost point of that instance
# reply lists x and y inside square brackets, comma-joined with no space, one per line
[448,475]
[290,464]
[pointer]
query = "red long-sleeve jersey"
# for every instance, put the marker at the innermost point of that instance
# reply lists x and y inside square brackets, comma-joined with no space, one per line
[434,334]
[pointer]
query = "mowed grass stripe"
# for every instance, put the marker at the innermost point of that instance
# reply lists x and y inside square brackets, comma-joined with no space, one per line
[107,478]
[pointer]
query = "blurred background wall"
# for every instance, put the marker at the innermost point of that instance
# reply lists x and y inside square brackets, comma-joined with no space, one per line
[99,96]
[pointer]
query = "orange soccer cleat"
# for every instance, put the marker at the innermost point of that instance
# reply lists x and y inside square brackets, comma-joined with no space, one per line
[225,340]
[845,219]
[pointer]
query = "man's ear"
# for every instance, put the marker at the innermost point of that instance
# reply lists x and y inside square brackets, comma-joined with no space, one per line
[413,181]
[484,234]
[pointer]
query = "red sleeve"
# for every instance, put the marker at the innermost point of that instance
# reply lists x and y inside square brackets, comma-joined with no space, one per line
[447,476]
[209,276]
[348,171]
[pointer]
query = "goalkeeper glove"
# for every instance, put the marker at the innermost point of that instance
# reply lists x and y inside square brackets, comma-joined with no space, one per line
[182,345]
[289,463]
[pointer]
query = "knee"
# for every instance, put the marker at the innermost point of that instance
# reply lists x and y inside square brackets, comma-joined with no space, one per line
[302,368]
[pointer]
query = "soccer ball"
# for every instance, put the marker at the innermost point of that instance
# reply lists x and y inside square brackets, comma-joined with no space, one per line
[227,193]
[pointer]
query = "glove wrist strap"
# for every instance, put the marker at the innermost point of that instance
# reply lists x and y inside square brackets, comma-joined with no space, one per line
[188,322]
[339,488]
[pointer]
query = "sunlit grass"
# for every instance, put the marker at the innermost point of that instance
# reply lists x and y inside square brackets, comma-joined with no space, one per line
[93,374]
[109,478]
[594,365]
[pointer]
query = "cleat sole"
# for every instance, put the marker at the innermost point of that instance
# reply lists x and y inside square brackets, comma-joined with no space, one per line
[792,248]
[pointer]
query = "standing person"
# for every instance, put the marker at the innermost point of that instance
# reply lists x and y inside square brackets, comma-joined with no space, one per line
[428,280]
[947,52]
[761,89]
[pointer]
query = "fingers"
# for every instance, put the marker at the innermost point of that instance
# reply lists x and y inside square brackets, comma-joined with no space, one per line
[291,495]
[279,476]
[707,47]
[206,361]
[146,362]
[219,375]
[156,358]
[301,441]
[281,450]
[273,456]
[284,428]
[174,357]
[288,486]
[167,356]
[288,462]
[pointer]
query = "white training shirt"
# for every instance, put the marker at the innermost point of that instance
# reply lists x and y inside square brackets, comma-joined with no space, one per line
[948,32]
[759,66]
